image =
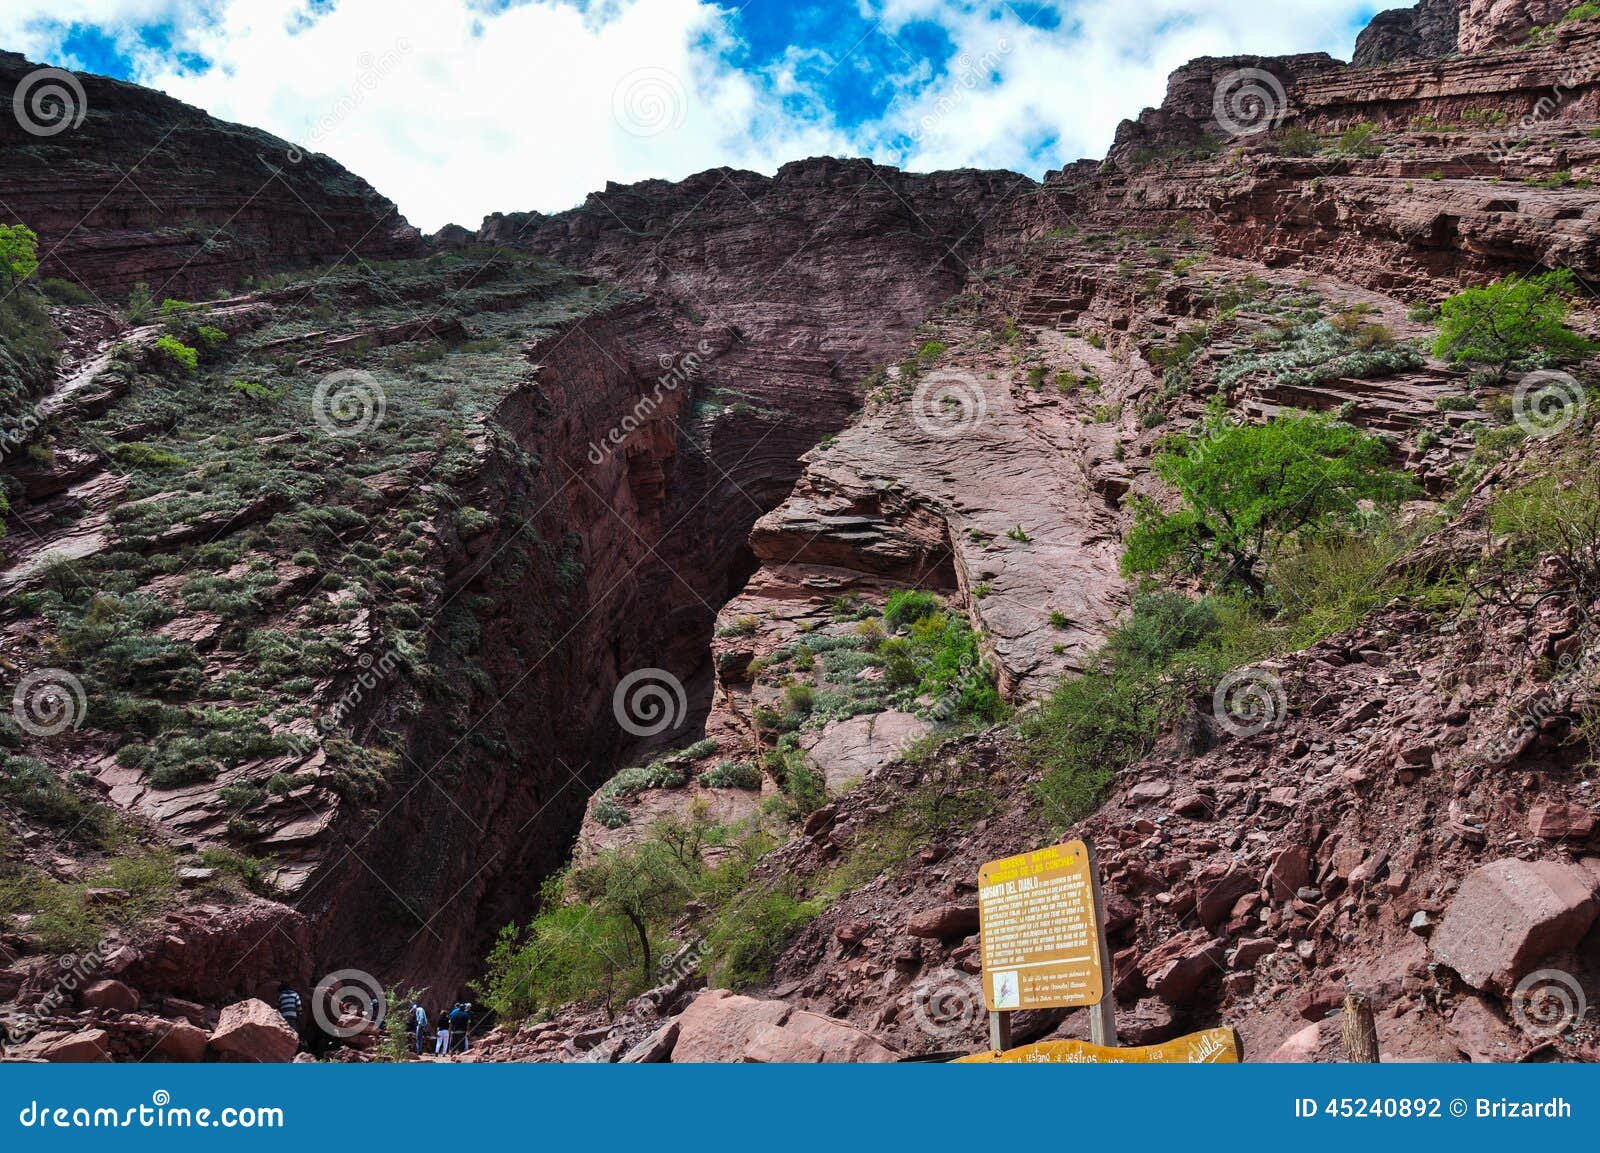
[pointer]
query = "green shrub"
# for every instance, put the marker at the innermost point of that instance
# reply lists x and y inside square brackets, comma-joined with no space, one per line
[140,303]
[1557,513]
[1298,142]
[636,779]
[907,606]
[253,872]
[610,814]
[1360,140]
[69,292]
[799,698]
[1104,720]
[743,946]
[567,953]
[1516,323]
[1305,354]
[19,253]
[1324,585]
[171,353]
[33,787]
[175,312]
[732,775]
[209,337]
[1247,488]
[802,784]
[138,454]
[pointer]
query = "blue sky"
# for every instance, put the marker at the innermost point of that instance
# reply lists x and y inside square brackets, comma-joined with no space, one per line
[455,108]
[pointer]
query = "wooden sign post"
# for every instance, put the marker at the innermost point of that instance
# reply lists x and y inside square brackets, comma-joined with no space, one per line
[1042,926]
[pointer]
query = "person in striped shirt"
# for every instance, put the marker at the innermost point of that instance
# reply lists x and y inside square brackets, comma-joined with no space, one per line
[289,1005]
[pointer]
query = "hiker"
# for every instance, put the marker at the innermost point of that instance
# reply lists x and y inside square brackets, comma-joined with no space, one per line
[289,1005]
[419,1025]
[441,1046]
[460,1023]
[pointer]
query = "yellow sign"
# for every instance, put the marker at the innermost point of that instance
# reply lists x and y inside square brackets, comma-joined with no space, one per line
[1214,1046]
[1039,930]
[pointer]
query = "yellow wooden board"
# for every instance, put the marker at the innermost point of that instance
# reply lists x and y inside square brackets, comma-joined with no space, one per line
[1040,936]
[1213,1046]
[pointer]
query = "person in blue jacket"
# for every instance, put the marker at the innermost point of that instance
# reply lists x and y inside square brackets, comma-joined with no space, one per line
[460,1022]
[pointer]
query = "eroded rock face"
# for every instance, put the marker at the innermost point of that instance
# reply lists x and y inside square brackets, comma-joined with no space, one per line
[1502,23]
[1424,32]
[149,189]
[820,272]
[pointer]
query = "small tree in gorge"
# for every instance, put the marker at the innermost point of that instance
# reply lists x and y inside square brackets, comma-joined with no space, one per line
[1509,324]
[1248,487]
[644,885]
[19,253]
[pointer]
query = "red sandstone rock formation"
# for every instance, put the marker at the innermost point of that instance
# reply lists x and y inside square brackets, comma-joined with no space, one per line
[1244,880]
[148,189]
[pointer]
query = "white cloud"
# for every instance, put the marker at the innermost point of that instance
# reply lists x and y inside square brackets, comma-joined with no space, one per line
[455,111]
[1075,83]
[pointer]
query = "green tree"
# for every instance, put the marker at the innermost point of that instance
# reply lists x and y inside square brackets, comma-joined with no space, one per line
[569,952]
[644,885]
[1248,487]
[1510,323]
[19,252]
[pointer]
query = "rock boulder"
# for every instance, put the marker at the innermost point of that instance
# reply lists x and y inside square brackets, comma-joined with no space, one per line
[254,1031]
[1510,914]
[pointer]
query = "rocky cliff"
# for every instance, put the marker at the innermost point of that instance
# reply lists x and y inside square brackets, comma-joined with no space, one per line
[125,185]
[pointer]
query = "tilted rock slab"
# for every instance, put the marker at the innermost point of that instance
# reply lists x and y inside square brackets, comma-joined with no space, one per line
[1509,915]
